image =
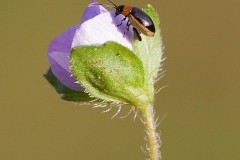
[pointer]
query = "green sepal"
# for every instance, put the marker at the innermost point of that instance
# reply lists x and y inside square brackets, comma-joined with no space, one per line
[67,94]
[110,72]
[150,49]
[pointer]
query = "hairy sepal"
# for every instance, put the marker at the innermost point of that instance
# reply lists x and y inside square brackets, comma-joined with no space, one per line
[110,72]
[150,51]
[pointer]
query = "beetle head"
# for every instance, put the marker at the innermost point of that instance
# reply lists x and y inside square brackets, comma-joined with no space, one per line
[119,10]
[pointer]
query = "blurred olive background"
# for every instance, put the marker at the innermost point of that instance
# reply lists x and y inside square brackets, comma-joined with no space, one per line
[202,100]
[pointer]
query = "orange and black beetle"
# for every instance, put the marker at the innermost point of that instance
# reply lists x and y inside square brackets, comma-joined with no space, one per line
[140,21]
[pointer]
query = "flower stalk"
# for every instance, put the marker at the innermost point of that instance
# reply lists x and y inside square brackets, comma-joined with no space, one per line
[152,137]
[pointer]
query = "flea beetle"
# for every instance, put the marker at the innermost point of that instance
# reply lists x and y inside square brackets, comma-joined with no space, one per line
[140,21]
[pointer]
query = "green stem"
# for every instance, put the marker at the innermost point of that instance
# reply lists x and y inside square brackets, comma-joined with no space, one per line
[152,137]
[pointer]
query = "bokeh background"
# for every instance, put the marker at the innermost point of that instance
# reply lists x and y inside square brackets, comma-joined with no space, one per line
[202,100]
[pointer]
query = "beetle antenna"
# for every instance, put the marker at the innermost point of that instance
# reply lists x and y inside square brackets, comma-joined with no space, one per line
[114,5]
[105,5]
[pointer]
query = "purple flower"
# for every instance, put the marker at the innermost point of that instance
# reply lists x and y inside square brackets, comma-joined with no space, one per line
[97,27]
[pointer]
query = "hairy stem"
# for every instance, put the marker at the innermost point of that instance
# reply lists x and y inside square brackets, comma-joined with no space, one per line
[152,137]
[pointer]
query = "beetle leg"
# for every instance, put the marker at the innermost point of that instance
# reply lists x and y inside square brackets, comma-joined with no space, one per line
[122,21]
[137,33]
[128,25]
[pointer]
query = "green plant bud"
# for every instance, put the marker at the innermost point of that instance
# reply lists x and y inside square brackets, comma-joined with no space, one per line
[110,72]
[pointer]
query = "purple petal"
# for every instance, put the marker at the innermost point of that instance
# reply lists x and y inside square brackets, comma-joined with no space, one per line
[103,28]
[60,48]
[92,10]
[92,31]
[58,56]
[63,42]
[60,67]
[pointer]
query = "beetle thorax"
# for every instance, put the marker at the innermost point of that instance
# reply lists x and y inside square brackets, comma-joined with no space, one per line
[124,10]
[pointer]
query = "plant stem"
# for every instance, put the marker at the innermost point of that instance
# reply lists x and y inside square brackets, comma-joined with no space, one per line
[152,137]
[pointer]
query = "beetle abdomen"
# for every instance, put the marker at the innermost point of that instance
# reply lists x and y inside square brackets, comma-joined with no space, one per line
[143,19]
[146,30]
